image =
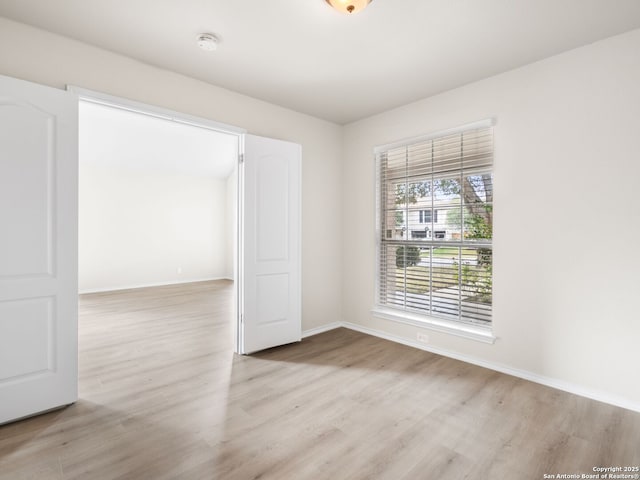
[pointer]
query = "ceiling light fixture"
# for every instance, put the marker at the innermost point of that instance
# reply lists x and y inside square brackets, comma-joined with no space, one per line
[208,42]
[349,6]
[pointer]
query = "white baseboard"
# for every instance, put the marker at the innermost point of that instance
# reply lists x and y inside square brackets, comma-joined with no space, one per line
[598,395]
[322,329]
[146,285]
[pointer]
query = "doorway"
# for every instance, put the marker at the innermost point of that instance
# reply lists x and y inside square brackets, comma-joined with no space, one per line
[39,268]
[157,200]
[157,205]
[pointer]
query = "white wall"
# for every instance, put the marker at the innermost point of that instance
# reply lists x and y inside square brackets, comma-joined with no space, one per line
[38,56]
[566,161]
[146,227]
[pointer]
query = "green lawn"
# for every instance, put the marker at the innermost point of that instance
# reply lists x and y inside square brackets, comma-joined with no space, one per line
[418,278]
[448,252]
[443,277]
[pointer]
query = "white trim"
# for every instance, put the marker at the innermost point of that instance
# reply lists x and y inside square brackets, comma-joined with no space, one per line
[321,329]
[579,390]
[238,332]
[152,111]
[473,332]
[378,229]
[488,122]
[147,285]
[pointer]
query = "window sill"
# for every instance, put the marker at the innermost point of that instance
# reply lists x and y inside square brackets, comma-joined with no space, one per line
[478,333]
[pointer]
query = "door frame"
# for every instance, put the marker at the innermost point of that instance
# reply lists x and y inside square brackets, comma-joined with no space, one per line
[100,98]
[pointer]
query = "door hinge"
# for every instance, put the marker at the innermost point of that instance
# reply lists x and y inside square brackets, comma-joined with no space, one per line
[241,319]
[241,158]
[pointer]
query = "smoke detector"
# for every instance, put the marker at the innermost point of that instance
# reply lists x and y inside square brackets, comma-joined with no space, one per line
[208,42]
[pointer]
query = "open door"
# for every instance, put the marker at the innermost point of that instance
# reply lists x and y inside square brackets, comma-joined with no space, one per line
[38,248]
[269,251]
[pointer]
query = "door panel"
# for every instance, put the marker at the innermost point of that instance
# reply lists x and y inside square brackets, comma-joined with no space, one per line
[272,208]
[270,251]
[38,248]
[27,184]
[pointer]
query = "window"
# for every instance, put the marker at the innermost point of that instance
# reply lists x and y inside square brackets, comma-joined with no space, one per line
[445,272]
[428,216]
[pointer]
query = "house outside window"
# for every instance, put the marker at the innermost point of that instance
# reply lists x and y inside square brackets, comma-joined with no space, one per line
[428,216]
[440,263]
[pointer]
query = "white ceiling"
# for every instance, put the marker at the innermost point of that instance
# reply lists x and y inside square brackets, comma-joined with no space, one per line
[304,55]
[120,138]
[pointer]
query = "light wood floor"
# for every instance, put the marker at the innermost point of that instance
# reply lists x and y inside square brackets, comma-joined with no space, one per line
[162,396]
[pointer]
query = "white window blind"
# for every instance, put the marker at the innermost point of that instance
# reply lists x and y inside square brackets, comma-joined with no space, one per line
[437,265]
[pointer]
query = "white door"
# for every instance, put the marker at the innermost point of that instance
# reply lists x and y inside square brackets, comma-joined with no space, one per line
[270,244]
[38,248]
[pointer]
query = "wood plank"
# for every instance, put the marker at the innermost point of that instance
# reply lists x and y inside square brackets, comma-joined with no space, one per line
[163,396]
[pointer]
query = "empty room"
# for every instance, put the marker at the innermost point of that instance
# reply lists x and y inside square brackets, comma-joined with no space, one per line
[320,239]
